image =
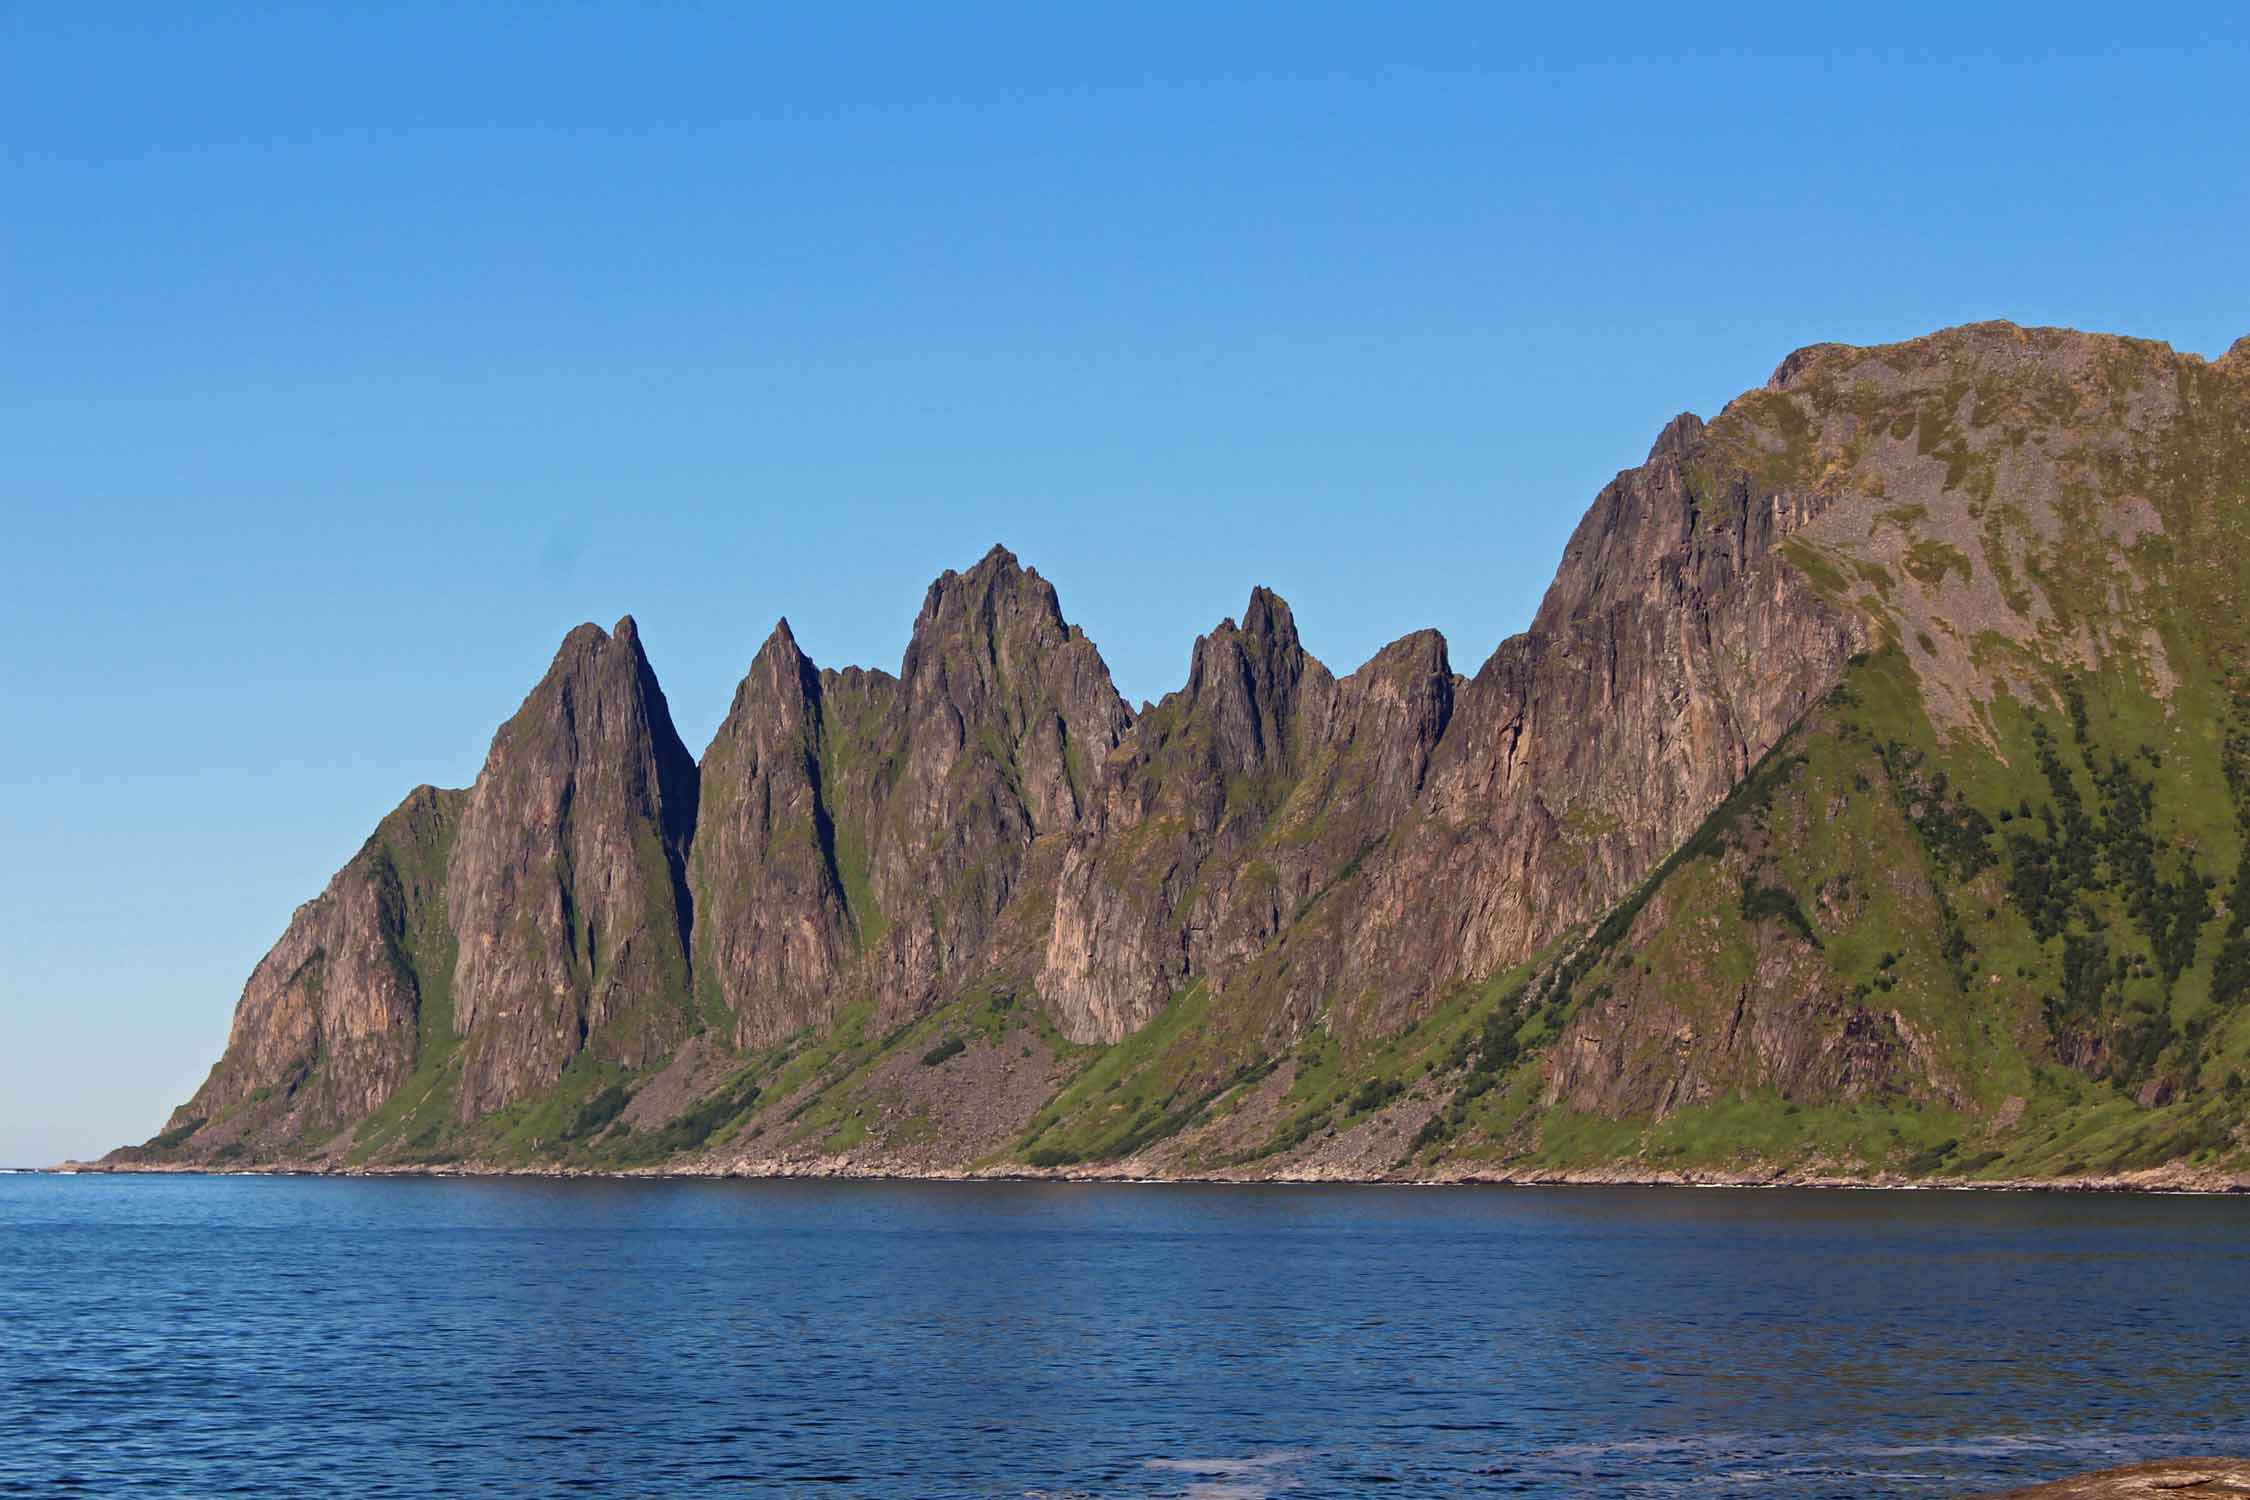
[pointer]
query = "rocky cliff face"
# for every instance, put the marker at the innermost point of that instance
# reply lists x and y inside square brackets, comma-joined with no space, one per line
[329,1023]
[1434,830]
[774,927]
[1232,806]
[868,835]
[1000,714]
[567,889]
[2007,854]
[1440,919]
[1674,648]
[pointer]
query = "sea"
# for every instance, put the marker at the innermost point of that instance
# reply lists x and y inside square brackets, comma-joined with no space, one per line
[288,1336]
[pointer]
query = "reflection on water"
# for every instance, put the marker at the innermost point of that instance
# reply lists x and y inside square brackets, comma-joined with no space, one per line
[418,1337]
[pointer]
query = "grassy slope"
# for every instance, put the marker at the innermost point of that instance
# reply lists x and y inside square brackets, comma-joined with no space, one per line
[1883,883]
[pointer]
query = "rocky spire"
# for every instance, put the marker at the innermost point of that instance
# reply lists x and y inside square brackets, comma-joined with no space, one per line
[567,888]
[773,927]
[1002,715]
[1244,682]
[1149,881]
[864,834]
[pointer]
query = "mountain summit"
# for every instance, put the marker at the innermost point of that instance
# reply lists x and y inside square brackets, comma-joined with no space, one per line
[1868,797]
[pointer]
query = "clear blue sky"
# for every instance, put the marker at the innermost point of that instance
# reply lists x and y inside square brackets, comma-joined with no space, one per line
[348,359]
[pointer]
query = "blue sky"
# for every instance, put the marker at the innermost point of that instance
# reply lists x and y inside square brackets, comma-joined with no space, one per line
[347,359]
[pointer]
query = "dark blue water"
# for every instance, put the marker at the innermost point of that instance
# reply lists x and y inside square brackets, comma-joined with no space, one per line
[204,1336]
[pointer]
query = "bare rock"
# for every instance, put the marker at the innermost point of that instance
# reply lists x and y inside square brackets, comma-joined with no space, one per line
[567,888]
[2195,1477]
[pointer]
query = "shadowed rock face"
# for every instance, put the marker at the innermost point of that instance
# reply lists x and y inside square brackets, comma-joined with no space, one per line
[1305,848]
[567,887]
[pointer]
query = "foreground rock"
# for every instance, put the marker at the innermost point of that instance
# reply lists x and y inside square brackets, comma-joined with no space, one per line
[2192,1477]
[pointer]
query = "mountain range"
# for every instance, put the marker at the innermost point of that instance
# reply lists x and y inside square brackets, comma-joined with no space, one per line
[1867,800]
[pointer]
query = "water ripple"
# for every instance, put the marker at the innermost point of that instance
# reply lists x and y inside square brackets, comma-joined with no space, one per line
[239,1336]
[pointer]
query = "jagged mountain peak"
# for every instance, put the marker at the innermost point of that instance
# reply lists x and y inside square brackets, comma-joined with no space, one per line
[1423,649]
[1677,438]
[781,644]
[1267,616]
[998,574]
[1249,682]
[771,927]
[566,884]
[1263,650]
[1797,361]
[581,639]
[588,648]
[868,830]
[1266,625]
[780,685]
[995,639]
[993,604]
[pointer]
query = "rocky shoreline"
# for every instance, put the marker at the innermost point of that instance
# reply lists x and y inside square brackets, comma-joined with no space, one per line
[2169,1180]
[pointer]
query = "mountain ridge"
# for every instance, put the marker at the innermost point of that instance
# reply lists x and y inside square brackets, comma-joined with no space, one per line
[1281,909]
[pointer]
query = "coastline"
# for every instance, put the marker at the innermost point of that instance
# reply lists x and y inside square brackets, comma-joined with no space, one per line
[2172,1181]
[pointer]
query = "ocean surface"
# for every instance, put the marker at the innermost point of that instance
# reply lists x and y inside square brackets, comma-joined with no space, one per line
[279,1336]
